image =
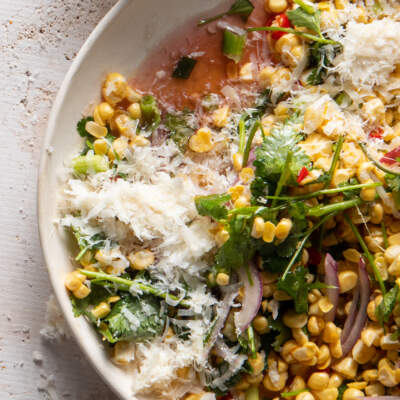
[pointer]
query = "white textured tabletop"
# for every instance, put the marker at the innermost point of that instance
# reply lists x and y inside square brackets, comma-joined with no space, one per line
[38,41]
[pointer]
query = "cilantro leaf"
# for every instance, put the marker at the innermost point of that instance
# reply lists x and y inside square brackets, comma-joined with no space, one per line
[385,307]
[393,182]
[213,205]
[134,319]
[81,127]
[320,59]
[279,333]
[271,155]
[86,242]
[180,130]
[301,18]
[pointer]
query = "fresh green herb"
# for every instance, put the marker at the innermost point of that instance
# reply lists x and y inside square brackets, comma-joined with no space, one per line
[179,128]
[393,182]
[343,99]
[278,334]
[302,18]
[384,234]
[86,242]
[234,44]
[257,125]
[240,7]
[320,59]
[272,154]
[184,68]
[151,114]
[385,307]
[89,163]
[81,127]
[294,393]
[395,335]
[252,342]
[321,210]
[125,284]
[367,254]
[335,160]
[378,164]
[213,205]
[134,319]
[242,135]
[283,178]
[341,389]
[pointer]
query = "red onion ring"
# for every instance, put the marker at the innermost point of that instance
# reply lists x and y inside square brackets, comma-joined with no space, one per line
[361,317]
[251,298]
[331,279]
[348,324]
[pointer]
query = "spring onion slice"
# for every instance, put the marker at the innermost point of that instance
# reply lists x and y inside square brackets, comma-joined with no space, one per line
[234,43]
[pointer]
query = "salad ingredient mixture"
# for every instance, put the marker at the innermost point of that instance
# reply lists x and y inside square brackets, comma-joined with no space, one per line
[238,231]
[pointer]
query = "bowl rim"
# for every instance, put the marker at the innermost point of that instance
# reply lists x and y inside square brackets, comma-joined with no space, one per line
[49,134]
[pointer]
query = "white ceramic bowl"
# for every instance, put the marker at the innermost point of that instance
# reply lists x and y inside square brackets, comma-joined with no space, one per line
[119,43]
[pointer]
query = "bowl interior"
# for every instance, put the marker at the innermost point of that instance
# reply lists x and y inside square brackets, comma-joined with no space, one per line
[119,43]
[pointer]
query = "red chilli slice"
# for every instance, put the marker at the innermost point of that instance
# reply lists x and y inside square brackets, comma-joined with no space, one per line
[376,133]
[282,21]
[302,174]
[391,157]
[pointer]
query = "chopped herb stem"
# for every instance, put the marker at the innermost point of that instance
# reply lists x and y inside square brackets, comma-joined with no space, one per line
[242,134]
[367,253]
[247,149]
[294,31]
[307,8]
[252,343]
[295,392]
[303,243]
[335,160]
[325,191]
[283,178]
[384,233]
[320,210]
[82,253]
[375,162]
[128,283]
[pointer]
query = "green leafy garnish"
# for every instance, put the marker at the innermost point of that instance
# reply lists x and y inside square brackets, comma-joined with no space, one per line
[385,307]
[134,319]
[320,59]
[81,127]
[294,393]
[341,389]
[301,18]
[393,182]
[184,68]
[272,154]
[234,44]
[151,114]
[343,99]
[240,7]
[180,130]
[279,333]
[213,205]
[86,242]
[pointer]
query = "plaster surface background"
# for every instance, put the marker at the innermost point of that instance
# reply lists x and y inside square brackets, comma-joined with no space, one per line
[38,41]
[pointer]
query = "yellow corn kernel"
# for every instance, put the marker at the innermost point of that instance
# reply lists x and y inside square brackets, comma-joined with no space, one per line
[392,252]
[318,381]
[140,141]
[237,161]
[352,255]
[330,393]
[394,268]
[242,201]
[269,232]
[111,154]
[246,72]
[368,194]
[371,334]
[113,299]
[82,292]
[357,385]
[103,113]
[221,237]
[86,259]
[197,396]
[347,280]
[95,129]
[72,282]
[370,375]
[394,239]
[276,6]
[236,192]
[267,123]
[101,310]
[124,353]
[374,110]
[201,141]
[283,228]
[257,364]
[352,394]
[376,214]
[275,385]
[335,380]
[260,324]
[336,349]
[247,174]
[281,110]
[387,376]
[325,304]
[280,75]
[265,76]
[257,230]
[286,43]
[100,146]
[222,279]
[293,320]
[347,367]
[287,350]
[361,353]
[341,175]
[299,336]
[114,88]
[141,259]
[315,325]
[306,352]
[324,357]
[125,125]
[330,333]
[221,116]
[305,396]
[119,147]
[387,343]
[135,111]
[375,389]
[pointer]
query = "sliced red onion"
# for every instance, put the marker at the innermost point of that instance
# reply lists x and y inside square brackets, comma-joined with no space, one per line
[331,279]
[251,298]
[348,324]
[361,317]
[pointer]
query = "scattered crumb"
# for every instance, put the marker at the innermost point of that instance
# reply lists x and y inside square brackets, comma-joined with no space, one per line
[37,357]
[47,387]
[56,327]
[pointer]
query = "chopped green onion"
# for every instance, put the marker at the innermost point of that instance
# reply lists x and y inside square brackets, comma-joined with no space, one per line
[242,134]
[335,160]
[249,142]
[295,392]
[240,7]
[89,163]
[252,342]
[234,44]
[343,100]
[307,8]
[184,68]
[367,253]
[283,178]
[151,114]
